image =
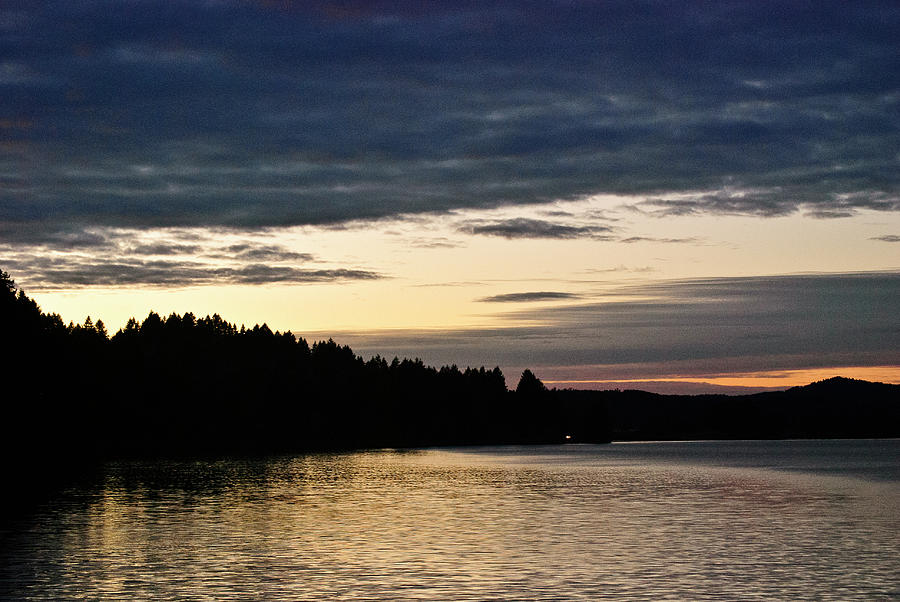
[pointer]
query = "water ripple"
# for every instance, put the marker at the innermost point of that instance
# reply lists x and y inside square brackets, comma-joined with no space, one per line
[574,523]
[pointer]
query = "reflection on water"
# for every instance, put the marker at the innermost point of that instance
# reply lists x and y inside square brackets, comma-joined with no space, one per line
[747,520]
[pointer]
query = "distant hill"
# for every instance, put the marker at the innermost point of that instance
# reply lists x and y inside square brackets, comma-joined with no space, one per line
[836,407]
[839,385]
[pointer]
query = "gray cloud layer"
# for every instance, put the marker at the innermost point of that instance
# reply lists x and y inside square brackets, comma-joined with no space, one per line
[250,115]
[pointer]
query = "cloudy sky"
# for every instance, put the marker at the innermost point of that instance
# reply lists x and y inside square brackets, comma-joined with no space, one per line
[605,192]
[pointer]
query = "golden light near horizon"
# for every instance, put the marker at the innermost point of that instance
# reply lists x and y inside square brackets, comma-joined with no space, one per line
[782,379]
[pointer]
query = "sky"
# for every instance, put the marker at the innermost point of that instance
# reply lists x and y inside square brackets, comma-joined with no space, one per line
[675,196]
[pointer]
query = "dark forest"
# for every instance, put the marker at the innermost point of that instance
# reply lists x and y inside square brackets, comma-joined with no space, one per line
[182,385]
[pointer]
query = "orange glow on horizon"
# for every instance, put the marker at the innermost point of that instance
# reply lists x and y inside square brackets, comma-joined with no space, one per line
[780,378]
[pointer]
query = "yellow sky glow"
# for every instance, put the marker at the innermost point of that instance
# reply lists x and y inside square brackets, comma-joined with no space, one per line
[434,274]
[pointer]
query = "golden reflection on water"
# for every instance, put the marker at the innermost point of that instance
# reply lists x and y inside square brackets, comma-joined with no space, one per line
[575,523]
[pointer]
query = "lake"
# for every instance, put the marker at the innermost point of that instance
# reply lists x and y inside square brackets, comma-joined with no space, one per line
[698,520]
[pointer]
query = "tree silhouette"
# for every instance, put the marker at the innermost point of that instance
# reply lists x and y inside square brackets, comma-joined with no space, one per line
[530,385]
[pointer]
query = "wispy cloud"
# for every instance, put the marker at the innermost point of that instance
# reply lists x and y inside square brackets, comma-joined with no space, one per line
[164,249]
[255,252]
[528,297]
[887,238]
[768,202]
[731,200]
[646,269]
[72,272]
[634,239]
[533,228]
[437,242]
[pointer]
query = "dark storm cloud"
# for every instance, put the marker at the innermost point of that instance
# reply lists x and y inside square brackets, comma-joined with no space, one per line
[42,273]
[266,114]
[747,323]
[532,228]
[888,238]
[526,297]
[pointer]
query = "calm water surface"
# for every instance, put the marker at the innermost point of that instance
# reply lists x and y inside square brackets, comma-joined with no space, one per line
[702,520]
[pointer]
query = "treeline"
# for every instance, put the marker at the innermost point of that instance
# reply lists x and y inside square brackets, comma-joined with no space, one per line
[186,385]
